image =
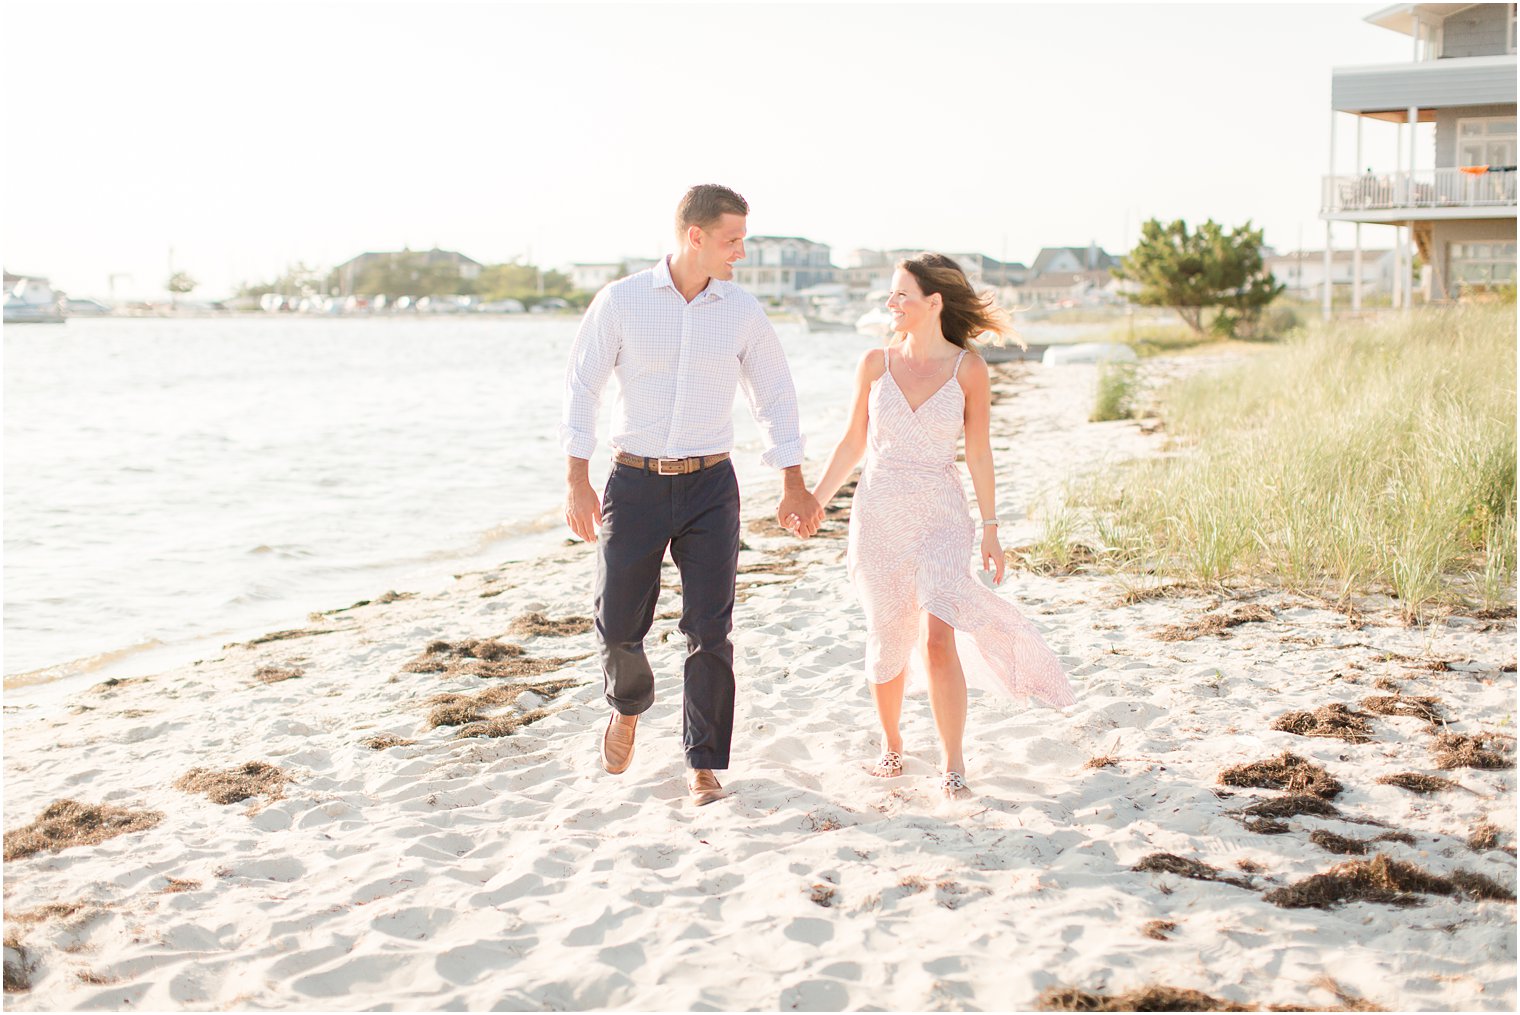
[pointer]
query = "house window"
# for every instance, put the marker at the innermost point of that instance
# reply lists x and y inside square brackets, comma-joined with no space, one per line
[1481,264]
[1486,141]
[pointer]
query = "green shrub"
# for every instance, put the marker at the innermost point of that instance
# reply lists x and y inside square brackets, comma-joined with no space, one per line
[1354,457]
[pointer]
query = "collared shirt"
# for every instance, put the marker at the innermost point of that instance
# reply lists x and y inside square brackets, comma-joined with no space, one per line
[678,366]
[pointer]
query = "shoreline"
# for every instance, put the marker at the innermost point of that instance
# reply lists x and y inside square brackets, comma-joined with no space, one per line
[509,871]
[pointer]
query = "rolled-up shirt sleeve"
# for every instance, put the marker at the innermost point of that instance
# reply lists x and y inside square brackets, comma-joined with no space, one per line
[767,386]
[592,357]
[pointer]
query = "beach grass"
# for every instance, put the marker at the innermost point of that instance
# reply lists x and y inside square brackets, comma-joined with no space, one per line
[1351,458]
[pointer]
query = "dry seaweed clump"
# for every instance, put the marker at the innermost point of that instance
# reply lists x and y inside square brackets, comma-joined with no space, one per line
[275,674]
[1101,761]
[1216,623]
[1171,863]
[1332,720]
[1347,846]
[1156,998]
[1382,879]
[1472,750]
[532,624]
[18,964]
[1417,783]
[483,658]
[382,741]
[1483,837]
[1413,705]
[1286,772]
[1291,806]
[460,709]
[502,725]
[228,786]
[65,823]
[1158,929]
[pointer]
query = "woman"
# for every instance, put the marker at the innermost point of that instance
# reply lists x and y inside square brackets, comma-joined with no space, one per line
[911,531]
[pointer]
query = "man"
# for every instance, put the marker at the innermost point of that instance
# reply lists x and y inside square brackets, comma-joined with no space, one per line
[681,338]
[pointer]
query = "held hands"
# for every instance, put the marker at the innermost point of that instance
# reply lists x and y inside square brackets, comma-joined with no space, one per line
[799,513]
[583,512]
[992,553]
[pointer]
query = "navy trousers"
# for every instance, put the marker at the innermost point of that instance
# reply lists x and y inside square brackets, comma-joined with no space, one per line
[697,517]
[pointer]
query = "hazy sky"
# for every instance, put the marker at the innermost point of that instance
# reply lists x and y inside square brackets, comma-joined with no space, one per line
[250,135]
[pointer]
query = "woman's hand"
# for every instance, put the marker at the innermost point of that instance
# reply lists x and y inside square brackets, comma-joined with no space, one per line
[992,553]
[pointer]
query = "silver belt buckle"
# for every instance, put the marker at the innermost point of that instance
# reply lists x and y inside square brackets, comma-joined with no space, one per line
[675,470]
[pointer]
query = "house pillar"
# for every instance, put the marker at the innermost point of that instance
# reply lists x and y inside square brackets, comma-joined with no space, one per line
[1326,282]
[1414,121]
[1356,250]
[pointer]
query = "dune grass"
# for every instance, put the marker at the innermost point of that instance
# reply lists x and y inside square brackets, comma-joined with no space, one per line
[1357,457]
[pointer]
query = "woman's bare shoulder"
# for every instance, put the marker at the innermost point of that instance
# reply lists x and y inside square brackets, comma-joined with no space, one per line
[872,365]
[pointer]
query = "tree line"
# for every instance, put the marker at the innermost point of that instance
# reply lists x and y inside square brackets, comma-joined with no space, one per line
[409,274]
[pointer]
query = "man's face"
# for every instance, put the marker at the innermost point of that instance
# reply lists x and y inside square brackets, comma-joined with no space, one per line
[722,246]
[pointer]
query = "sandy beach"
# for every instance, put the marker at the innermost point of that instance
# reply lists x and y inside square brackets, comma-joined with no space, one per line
[488,861]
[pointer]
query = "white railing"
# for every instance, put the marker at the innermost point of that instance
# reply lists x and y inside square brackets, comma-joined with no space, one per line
[1424,188]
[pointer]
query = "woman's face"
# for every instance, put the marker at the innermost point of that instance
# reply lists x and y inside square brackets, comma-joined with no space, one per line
[909,307]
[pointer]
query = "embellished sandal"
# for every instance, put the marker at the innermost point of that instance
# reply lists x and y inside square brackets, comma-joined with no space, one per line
[888,766]
[953,786]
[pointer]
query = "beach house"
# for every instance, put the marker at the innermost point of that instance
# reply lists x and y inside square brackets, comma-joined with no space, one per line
[776,267]
[1452,203]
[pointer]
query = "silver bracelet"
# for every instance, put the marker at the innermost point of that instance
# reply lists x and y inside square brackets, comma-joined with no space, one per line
[990,521]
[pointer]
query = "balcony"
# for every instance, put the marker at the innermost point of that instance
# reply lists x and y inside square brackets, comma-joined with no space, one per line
[1423,194]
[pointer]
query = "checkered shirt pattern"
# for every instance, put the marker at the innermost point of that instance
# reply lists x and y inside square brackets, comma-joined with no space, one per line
[678,366]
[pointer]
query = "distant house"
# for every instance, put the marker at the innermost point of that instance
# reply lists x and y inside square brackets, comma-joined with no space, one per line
[1068,259]
[1302,272]
[1058,287]
[781,266]
[867,270]
[1453,202]
[350,271]
[589,278]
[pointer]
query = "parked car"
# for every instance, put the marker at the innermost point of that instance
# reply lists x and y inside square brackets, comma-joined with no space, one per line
[502,307]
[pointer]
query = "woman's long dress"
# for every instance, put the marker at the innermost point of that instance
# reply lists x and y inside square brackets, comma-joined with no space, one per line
[911,547]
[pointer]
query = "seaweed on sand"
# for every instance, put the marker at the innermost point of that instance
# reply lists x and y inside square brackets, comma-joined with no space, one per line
[1216,623]
[1415,706]
[65,823]
[1171,863]
[1418,783]
[1288,772]
[1385,880]
[228,786]
[1472,750]
[531,625]
[1332,720]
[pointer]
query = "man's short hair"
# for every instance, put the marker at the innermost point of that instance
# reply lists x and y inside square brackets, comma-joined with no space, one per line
[705,204]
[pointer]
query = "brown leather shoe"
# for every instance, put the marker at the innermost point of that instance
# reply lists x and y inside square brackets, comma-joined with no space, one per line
[617,745]
[705,787]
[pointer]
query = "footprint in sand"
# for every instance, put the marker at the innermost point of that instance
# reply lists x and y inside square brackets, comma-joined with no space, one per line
[810,930]
[814,995]
[415,923]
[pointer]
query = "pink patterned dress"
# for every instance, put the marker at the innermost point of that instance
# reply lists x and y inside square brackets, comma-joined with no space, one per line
[911,548]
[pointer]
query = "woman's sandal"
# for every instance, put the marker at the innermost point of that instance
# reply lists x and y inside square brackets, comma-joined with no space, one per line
[953,786]
[888,766]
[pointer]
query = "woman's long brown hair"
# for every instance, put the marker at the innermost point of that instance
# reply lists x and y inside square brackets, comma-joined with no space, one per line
[965,314]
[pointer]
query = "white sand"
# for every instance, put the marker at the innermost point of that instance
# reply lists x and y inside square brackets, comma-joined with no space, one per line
[514,873]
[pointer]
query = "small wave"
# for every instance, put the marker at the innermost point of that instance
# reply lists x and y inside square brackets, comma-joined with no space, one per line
[78,667]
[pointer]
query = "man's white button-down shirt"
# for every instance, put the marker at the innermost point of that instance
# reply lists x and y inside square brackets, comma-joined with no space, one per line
[678,366]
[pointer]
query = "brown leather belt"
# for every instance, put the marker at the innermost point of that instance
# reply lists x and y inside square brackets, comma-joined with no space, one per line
[670,466]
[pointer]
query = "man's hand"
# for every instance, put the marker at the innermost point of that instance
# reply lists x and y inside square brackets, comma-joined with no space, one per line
[799,512]
[583,512]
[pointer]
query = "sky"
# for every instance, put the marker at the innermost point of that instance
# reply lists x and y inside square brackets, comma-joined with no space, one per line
[231,139]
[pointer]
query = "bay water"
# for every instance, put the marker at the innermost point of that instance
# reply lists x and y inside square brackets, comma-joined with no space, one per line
[175,483]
